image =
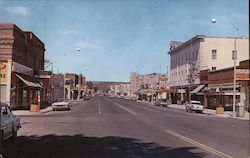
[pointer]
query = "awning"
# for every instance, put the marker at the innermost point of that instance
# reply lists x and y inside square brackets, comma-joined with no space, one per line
[149,94]
[28,82]
[197,89]
[168,90]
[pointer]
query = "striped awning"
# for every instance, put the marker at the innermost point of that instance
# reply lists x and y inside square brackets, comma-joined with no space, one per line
[197,89]
[29,83]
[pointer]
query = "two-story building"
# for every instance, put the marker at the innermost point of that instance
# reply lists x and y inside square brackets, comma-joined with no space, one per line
[21,59]
[199,53]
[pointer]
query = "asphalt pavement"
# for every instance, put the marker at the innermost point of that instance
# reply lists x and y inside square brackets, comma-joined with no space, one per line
[105,127]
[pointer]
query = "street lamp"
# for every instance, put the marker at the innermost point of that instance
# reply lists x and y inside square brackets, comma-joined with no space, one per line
[64,76]
[236,28]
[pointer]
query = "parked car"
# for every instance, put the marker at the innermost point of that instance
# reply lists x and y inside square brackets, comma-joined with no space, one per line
[10,123]
[194,105]
[133,98]
[161,102]
[62,105]
[86,97]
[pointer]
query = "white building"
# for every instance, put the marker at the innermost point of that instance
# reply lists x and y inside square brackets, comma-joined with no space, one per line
[147,86]
[203,52]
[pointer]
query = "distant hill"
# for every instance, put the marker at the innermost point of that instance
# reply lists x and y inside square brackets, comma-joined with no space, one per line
[105,85]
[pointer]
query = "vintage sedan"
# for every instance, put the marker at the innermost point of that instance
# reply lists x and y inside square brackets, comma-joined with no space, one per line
[161,102]
[10,123]
[194,105]
[62,105]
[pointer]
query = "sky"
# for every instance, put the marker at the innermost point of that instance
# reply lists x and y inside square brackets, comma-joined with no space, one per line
[117,37]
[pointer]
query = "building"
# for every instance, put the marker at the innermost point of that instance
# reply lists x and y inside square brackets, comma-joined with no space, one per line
[200,53]
[219,86]
[70,86]
[21,59]
[53,86]
[147,86]
[120,89]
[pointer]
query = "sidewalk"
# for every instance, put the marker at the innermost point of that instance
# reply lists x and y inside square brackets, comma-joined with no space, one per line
[227,114]
[27,112]
[42,111]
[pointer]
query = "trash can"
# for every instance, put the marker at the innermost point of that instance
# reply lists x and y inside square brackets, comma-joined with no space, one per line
[239,110]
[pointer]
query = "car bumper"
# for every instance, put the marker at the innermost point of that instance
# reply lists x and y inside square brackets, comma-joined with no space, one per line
[60,107]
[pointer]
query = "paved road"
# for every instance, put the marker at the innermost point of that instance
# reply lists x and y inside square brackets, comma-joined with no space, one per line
[106,127]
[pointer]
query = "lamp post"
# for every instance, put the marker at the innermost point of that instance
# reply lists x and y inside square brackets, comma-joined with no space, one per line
[64,76]
[236,28]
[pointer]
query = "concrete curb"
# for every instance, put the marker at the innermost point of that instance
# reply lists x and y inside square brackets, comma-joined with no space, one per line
[29,113]
[206,111]
[43,111]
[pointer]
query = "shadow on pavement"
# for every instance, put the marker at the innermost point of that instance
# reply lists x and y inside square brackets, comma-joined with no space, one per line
[79,146]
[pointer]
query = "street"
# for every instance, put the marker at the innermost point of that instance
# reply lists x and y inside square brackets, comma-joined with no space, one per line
[106,127]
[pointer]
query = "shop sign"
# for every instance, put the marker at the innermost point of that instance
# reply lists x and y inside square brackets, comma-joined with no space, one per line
[242,74]
[181,91]
[22,69]
[3,72]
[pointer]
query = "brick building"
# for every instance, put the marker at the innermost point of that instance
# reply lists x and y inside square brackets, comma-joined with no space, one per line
[219,86]
[70,86]
[21,59]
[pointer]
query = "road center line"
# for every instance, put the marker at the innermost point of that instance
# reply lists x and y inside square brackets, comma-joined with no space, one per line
[204,147]
[99,106]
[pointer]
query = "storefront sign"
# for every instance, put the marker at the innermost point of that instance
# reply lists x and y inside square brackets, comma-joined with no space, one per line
[22,69]
[3,72]
[242,74]
[181,91]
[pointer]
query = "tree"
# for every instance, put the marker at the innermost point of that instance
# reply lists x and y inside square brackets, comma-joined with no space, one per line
[90,84]
[95,89]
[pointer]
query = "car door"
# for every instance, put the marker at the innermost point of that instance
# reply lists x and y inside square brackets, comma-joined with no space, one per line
[6,122]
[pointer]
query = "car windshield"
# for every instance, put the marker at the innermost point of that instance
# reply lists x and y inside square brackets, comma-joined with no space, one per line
[196,102]
[124,78]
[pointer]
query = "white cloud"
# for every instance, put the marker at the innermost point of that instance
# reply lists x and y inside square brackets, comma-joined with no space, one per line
[18,10]
[69,32]
[86,45]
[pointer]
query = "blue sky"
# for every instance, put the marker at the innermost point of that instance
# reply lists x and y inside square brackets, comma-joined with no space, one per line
[119,36]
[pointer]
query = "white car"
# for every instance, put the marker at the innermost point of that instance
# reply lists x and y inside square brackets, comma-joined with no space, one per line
[63,105]
[10,123]
[194,105]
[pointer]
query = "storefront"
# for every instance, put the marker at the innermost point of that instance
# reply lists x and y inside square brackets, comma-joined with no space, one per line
[219,89]
[18,85]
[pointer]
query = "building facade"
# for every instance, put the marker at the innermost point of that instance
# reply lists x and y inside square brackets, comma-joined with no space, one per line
[200,53]
[21,59]
[147,86]
[219,87]
[70,86]
[52,86]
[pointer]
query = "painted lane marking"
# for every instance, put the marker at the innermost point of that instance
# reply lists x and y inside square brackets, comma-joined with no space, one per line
[204,147]
[99,106]
[123,107]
